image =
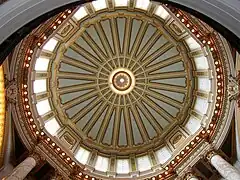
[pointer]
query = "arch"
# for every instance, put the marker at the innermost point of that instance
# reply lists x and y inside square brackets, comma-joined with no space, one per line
[19,17]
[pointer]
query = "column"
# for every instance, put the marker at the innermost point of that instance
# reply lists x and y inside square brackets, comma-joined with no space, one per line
[226,170]
[22,170]
[191,176]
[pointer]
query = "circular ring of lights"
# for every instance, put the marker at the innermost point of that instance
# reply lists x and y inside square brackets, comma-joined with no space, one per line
[206,133]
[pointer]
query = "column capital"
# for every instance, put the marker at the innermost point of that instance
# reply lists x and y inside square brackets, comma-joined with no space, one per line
[190,176]
[210,154]
[37,157]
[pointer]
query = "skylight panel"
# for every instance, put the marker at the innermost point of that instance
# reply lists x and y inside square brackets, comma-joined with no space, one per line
[82,155]
[193,125]
[143,163]
[101,164]
[81,13]
[99,4]
[43,107]
[163,155]
[121,2]
[142,4]
[50,45]
[161,12]
[204,84]
[52,126]
[201,62]
[201,105]
[122,166]
[41,64]
[39,86]
[192,43]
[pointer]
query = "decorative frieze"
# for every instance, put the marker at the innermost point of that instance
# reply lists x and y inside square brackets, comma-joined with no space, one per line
[233,88]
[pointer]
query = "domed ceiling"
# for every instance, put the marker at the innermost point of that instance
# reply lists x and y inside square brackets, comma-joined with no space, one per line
[123,86]
[121,82]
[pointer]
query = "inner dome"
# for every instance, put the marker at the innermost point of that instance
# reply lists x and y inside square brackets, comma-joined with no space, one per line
[116,119]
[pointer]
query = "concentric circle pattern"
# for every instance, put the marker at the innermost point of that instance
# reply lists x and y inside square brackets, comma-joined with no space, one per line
[122,81]
[121,116]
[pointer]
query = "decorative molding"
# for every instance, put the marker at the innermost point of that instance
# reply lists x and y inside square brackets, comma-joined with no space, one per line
[53,159]
[199,152]
[233,88]
[11,91]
